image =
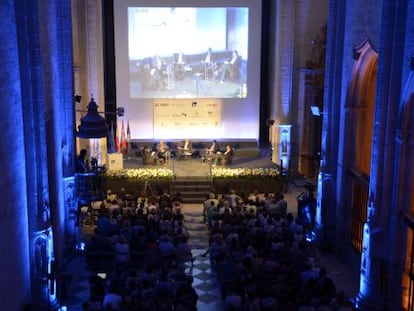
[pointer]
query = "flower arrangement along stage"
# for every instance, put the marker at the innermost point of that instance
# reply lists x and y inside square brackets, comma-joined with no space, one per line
[247,179]
[224,179]
[134,180]
[223,172]
[141,173]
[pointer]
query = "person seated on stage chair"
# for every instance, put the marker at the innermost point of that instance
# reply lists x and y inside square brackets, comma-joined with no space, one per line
[210,152]
[157,68]
[227,67]
[162,150]
[226,157]
[209,57]
[209,65]
[180,66]
[148,155]
[214,147]
[185,149]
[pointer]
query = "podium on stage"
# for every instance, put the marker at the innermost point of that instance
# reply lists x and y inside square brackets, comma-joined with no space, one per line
[114,161]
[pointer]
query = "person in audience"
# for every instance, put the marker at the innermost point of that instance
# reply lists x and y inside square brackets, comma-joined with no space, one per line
[166,247]
[164,292]
[112,299]
[207,203]
[121,249]
[110,196]
[233,300]
[210,212]
[177,197]
[183,252]
[217,249]
[186,297]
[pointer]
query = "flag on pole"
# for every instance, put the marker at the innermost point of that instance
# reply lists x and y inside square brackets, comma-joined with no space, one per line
[117,140]
[123,142]
[111,139]
[128,138]
[128,133]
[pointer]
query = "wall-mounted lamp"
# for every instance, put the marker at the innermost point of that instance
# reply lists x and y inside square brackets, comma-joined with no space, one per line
[93,125]
[315,111]
[120,111]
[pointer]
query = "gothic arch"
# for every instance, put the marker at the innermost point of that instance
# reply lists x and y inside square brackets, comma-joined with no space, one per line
[361,102]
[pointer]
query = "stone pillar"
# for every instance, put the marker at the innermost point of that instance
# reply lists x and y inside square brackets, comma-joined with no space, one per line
[56,56]
[89,68]
[383,188]
[326,191]
[14,259]
[369,296]
[285,24]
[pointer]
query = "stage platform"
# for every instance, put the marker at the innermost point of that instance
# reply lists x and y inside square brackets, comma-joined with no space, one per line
[195,165]
[242,147]
[192,177]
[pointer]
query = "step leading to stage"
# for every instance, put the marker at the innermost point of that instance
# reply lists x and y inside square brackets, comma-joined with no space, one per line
[192,190]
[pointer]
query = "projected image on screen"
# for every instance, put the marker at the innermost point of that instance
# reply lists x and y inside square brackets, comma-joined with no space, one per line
[188,52]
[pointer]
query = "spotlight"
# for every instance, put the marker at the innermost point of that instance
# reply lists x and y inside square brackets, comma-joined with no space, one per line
[80,246]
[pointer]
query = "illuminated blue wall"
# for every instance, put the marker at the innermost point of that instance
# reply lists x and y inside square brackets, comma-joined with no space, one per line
[36,149]
[14,242]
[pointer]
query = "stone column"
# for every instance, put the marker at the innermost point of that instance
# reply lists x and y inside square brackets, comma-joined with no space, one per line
[94,49]
[326,190]
[55,41]
[14,259]
[378,261]
[285,25]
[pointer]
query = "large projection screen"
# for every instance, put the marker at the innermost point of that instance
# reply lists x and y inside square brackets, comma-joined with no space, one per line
[187,52]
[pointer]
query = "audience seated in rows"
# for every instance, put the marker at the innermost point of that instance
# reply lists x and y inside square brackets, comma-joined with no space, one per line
[144,253]
[262,258]
[258,251]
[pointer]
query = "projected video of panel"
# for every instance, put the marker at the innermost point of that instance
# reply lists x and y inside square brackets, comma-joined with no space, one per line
[187,52]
